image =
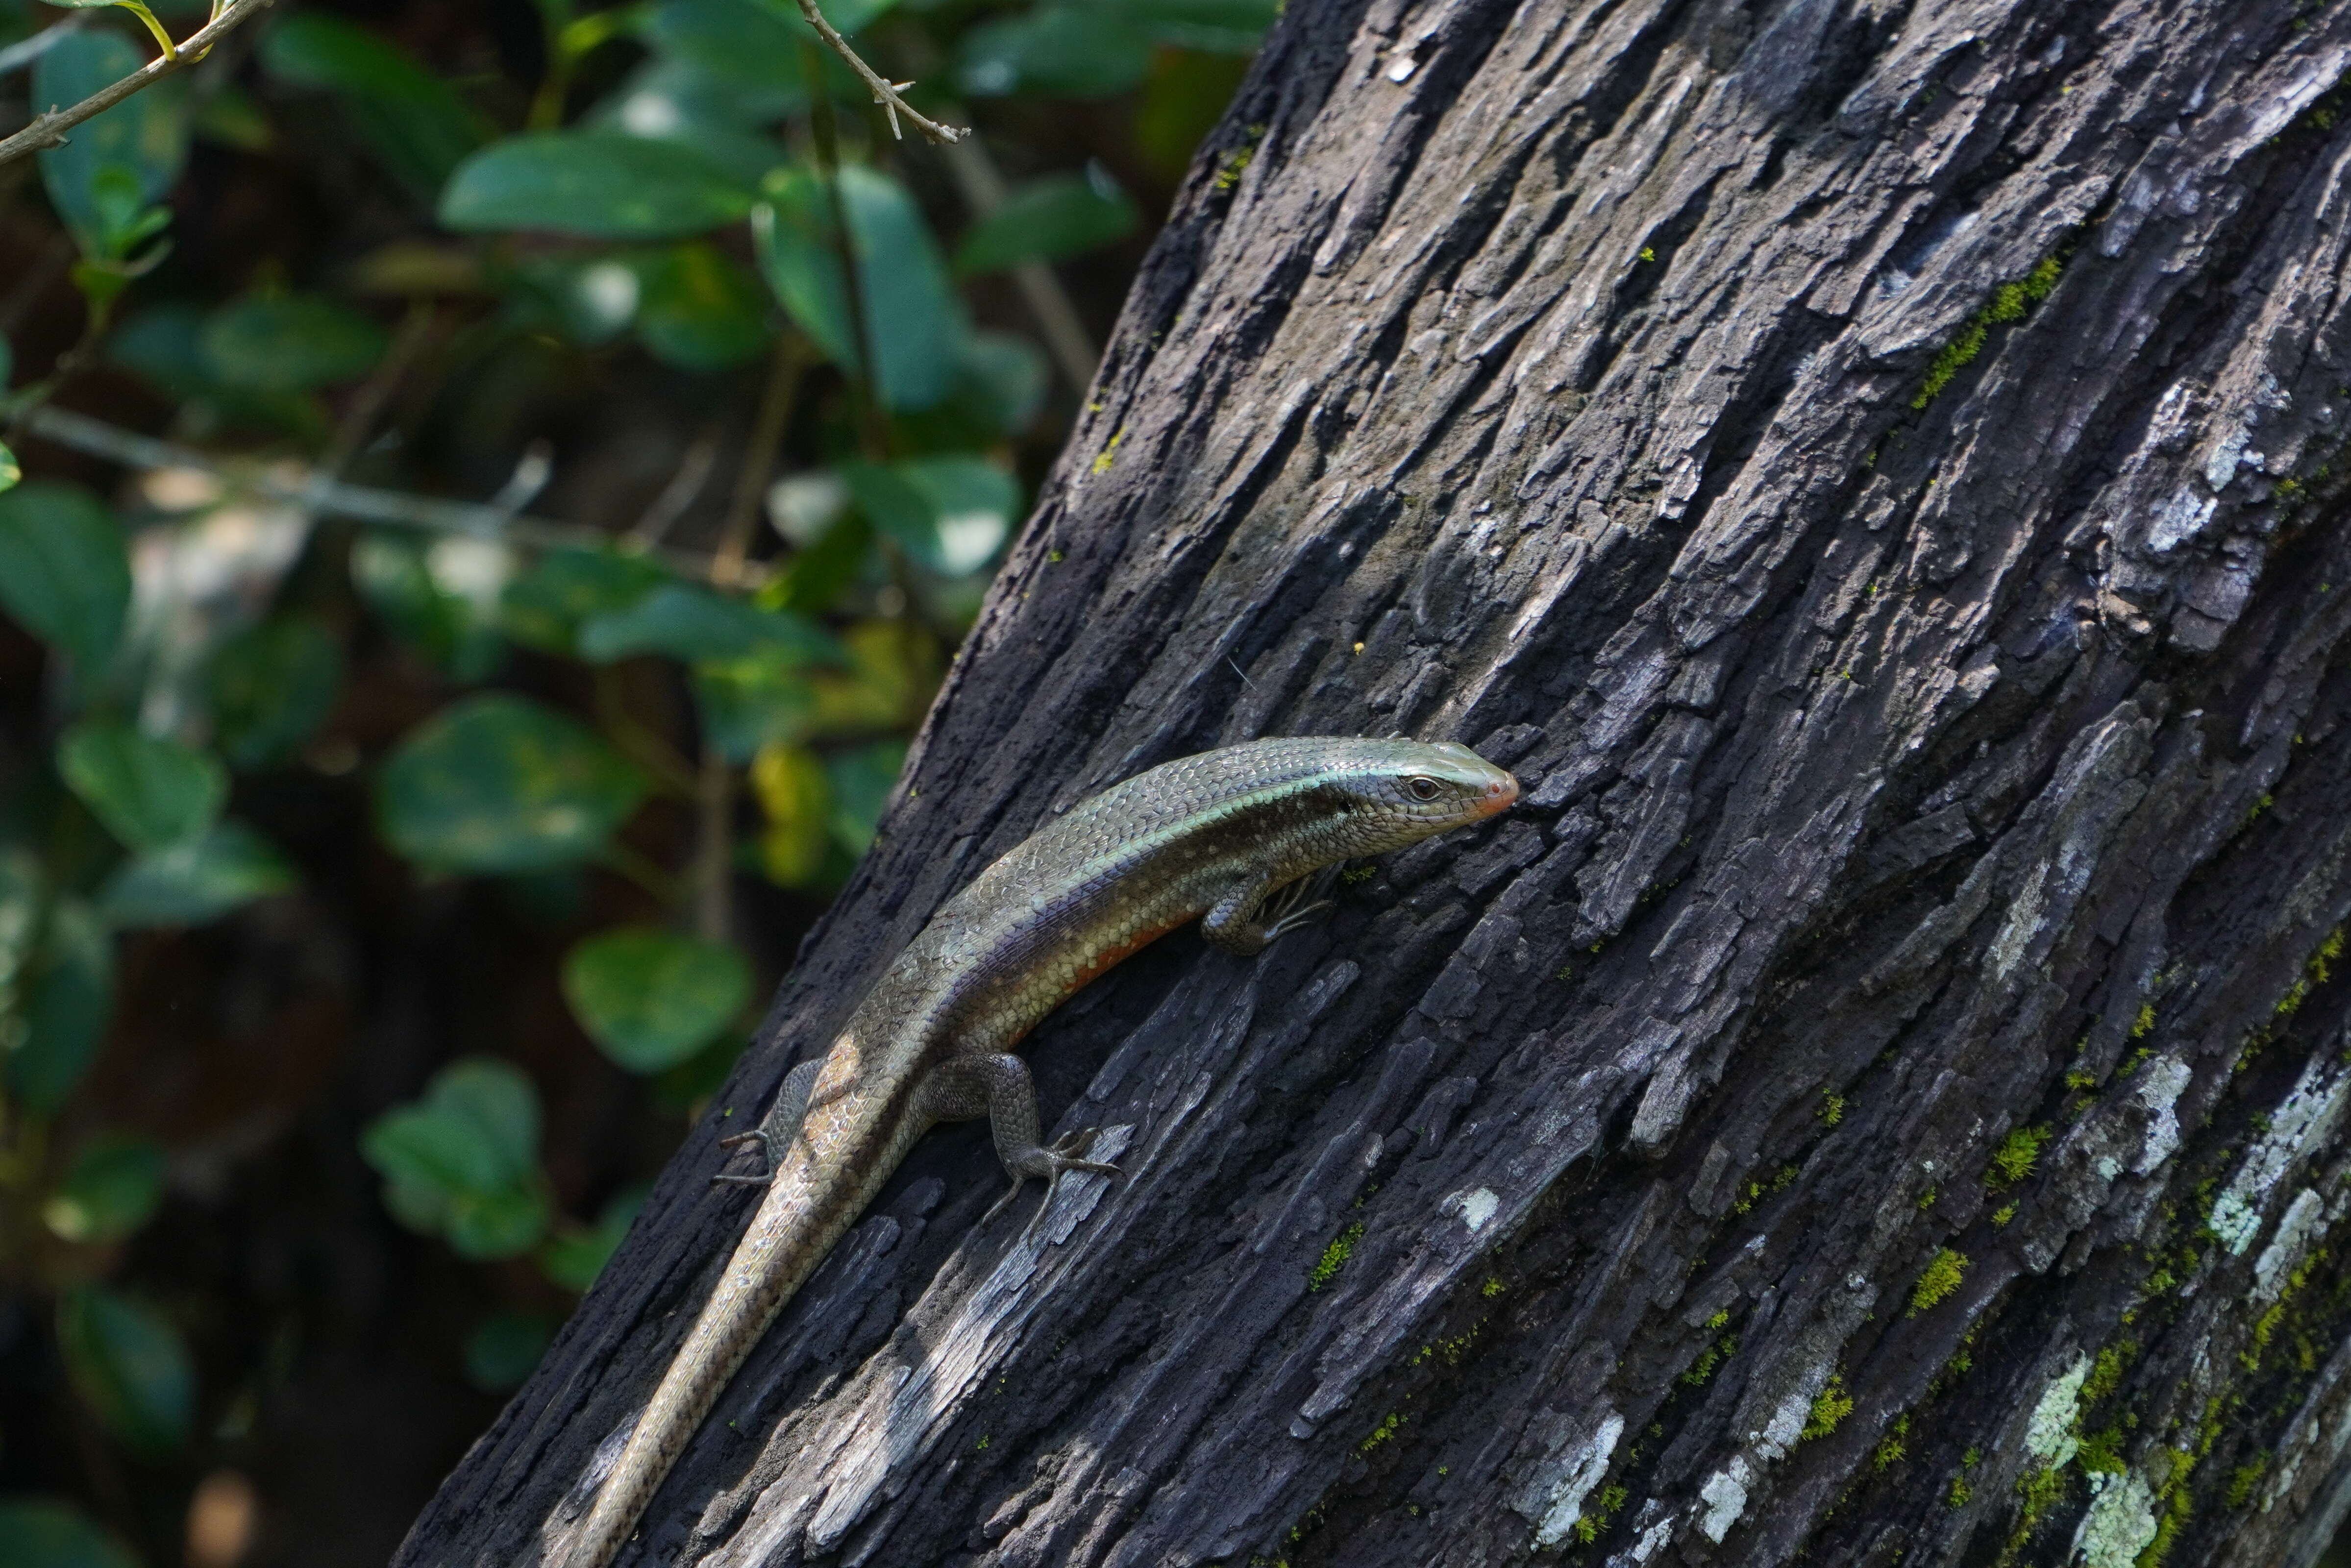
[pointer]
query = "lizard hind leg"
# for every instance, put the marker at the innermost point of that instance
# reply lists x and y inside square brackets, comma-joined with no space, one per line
[779,1127]
[997,1086]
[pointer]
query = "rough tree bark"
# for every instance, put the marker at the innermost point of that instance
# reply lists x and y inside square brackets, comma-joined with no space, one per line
[1866,466]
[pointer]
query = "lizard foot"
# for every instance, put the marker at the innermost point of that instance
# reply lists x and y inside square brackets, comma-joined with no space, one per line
[1290,908]
[767,1151]
[1052,1163]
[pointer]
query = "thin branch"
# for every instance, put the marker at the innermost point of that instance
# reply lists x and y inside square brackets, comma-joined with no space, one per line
[759,450]
[368,404]
[692,473]
[886,92]
[712,875]
[49,130]
[361,503]
[983,191]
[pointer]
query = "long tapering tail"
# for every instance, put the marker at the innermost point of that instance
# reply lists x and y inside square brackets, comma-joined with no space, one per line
[805,1212]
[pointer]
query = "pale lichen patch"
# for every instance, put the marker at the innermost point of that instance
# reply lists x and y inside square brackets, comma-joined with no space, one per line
[2049,1435]
[1575,1477]
[2159,1092]
[2120,1523]
[1787,1423]
[1653,1539]
[2305,1217]
[1725,1496]
[2304,1119]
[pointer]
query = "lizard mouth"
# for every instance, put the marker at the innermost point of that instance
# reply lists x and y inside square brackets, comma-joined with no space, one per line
[1500,795]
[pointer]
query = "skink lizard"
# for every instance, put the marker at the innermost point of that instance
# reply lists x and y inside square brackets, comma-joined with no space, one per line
[1227,837]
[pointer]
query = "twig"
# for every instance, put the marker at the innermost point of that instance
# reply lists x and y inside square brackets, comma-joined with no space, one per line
[670,771]
[865,386]
[766,438]
[886,92]
[692,473]
[362,502]
[712,874]
[48,130]
[983,191]
[366,404]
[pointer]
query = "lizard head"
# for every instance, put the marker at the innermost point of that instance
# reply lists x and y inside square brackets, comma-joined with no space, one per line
[1409,790]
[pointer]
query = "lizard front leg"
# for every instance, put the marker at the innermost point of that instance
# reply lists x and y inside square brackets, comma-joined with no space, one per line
[780,1125]
[999,1087]
[1240,921]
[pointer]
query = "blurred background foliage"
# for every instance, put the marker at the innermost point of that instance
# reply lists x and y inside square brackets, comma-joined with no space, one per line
[489,492]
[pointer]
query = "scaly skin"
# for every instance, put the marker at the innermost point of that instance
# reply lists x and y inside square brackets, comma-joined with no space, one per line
[1207,837]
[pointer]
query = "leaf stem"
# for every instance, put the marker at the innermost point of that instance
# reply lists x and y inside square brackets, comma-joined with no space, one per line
[48,129]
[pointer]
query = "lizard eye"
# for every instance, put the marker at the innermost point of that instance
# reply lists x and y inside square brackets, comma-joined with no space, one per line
[1422,788]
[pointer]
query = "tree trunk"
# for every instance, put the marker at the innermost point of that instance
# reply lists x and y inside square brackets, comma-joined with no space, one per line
[1866,467]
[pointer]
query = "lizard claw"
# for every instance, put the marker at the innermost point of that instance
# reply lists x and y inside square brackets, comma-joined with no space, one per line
[1290,908]
[1052,1163]
[1296,918]
[766,1149]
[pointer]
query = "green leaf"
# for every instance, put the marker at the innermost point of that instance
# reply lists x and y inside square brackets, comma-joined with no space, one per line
[65,574]
[700,310]
[588,299]
[270,686]
[1211,26]
[10,471]
[749,45]
[952,514]
[129,1366]
[504,1349]
[815,576]
[671,97]
[676,100]
[650,998]
[150,793]
[1060,51]
[412,122]
[545,606]
[1002,387]
[914,318]
[68,997]
[498,783]
[442,599]
[738,43]
[861,781]
[124,220]
[574,1257]
[505,1224]
[110,1191]
[190,884]
[164,344]
[597,184]
[21,889]
[289,342]
[1044,220]
[37,1533]
[745,703]
[145,135]
[462,1162]
[695,625]
[231,116]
